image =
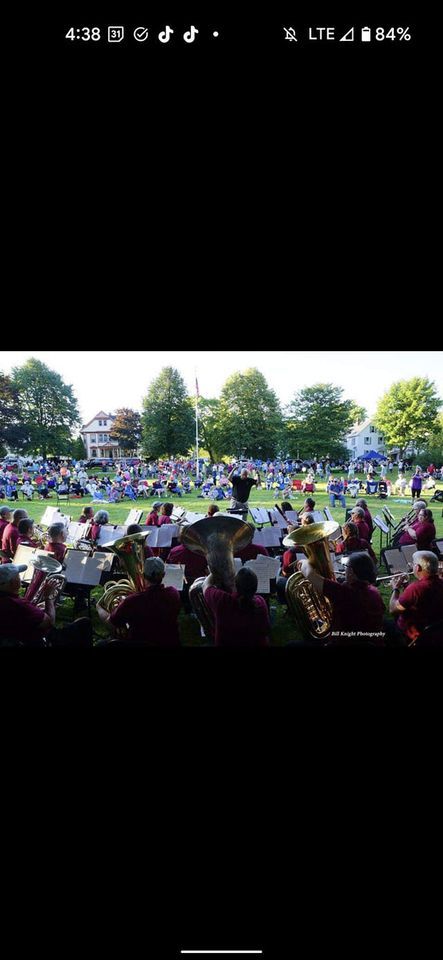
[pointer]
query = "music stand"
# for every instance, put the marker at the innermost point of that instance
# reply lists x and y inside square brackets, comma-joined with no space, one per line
[384,530]
[408,550]
[395,561]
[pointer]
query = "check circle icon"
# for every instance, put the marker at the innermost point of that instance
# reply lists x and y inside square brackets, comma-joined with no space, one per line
[141,34]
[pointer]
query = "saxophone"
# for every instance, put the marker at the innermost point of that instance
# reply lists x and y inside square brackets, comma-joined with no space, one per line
[311,611]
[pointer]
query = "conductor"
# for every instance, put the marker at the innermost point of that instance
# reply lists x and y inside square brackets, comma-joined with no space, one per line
[241,488]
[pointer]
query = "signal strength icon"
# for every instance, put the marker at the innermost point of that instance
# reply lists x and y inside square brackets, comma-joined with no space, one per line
[348,37]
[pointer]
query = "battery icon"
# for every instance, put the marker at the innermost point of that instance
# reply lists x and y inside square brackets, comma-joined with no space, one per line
[365,34]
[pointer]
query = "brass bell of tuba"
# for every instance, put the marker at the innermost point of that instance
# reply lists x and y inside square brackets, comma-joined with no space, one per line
[217,538]
[47,570]
[311,611]
[131,554]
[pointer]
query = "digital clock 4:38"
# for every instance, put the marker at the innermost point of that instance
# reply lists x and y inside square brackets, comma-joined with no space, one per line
[83,33]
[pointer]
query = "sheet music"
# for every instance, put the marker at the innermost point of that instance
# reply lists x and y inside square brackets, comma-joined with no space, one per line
[51,515]
[193,517]
[259,514]
[109,533]
[77,531]
[292,516]
[318,516]
[23,555]
[165,534]
[271,537]
[174,575]
[270,564]
[87,570]
[134,516]
[381,524]
[277,518]
[261,572]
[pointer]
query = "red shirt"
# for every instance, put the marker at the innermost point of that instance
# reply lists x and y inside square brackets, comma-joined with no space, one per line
[3,525]
[289,557]
[356,607]
[195,563]
[10,539]
[251,552]
[95,531]
[20,620]
[425,535]
[368,520]
[152,519]
[152,616]
[163,519]
[363,529]
[423,602]
[235,625]
[58,549]
[27,541]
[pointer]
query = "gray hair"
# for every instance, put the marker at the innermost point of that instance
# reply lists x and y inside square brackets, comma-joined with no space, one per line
[427,560]
[102,516]
[358,511]
[55,530]
[419,505]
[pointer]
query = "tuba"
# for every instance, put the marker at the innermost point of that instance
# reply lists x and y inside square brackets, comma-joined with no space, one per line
[217,538]
[311,611]
[47,570]
[131,554]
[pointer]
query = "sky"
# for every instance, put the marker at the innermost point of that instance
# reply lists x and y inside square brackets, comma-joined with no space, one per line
[108,380]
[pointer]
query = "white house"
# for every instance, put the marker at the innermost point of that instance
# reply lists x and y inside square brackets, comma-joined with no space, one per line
[95,436]
[364,437]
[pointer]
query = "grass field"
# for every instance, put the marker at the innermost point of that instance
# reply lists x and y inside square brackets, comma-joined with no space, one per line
[283,629]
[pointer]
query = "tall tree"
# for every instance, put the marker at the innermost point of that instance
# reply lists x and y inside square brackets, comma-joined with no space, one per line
[210,434]
[318,420]
[358,413]
[13,433]
[168,425]
[407,413]
[48,408]
[250,418]
[126,430]
[78,449]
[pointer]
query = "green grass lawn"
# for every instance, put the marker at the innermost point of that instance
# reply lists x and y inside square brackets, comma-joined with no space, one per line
[283,628]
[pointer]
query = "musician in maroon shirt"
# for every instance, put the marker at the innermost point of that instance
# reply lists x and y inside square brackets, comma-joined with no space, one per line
[100,519]
[165,513]
[422,531]
[352,543]
[367,517]
[26,533]
[358,517]
[11,535]
[136,528]
[241,618]
[153,518]
[56,542]
[421,603]
[357,607]
[86,516]
[27,624]
[195,563]
[251,552]
[152,614]
[5,518]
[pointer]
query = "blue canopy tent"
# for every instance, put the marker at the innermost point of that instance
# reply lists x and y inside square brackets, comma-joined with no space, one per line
[373,455]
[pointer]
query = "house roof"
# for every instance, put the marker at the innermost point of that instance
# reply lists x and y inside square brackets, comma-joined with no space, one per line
[358,427]
[99,416]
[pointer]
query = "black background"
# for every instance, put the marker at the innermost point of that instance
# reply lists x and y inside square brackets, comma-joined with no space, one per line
[179,196]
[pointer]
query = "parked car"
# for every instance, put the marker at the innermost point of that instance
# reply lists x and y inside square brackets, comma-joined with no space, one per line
[102,462]
[131,461]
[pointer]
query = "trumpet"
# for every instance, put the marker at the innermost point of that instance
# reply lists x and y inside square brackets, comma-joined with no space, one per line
[403,582]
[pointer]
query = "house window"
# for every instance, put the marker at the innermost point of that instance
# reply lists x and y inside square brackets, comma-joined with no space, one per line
[380,439]
[367,440]
[93,452]
[105,423]
[354,441]
[93,439]
[371,429]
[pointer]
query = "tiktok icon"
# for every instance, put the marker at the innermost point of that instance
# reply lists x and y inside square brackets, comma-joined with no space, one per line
[165,35]
[190,35]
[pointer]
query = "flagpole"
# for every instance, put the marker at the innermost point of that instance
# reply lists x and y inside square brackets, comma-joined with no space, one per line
[196,429]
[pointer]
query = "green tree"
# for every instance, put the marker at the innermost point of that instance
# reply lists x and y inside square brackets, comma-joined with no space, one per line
[126,430]
[168,425]
[358,413]
[209,429]
[13,433]
[78,449]
[317,422]
[48,408]
[249,417]
[407,413]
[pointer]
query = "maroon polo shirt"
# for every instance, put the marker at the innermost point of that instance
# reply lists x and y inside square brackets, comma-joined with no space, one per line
[289,557]
[195,563]
[10,539]
[163,519]
[152,519]
[363,529]
[3,525]
[423,602]
[356,607]
[151,615]
[368,521]
[58,549]
[251,552]
[235,624]
[20,620]
[95,531]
